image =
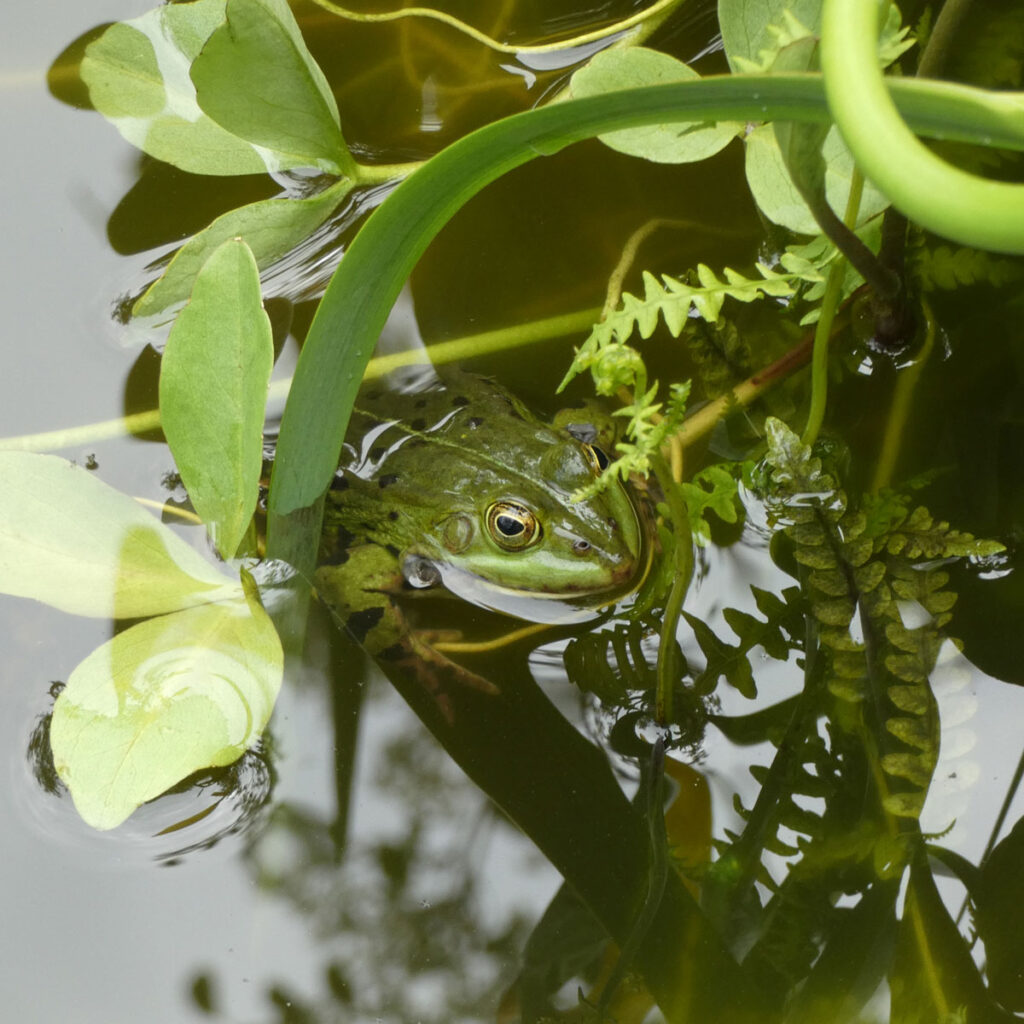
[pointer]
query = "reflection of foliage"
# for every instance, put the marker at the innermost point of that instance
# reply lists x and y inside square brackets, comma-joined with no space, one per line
[834,814]
[398,917]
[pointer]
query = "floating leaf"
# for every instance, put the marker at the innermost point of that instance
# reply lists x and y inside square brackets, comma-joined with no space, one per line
[162,700]
[256,79]
[271,228]
[68,539]
[675,143]
[213,392]
[137,74]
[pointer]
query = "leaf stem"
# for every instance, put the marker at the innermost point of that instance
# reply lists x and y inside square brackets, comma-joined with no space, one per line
[823,329]
[682,556]
[659,7]
[899,414]
[438,353]
[380,174]
[942,38]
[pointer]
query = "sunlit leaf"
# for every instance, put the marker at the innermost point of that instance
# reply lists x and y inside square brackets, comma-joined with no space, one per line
[674,143]
[68,539]
[271,228]
[162,700]
[777,196]
[213,392]
[256,78]
[137,73]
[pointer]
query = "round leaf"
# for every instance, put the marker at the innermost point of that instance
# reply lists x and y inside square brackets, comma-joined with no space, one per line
[675,143]
[162,700]
[137,74]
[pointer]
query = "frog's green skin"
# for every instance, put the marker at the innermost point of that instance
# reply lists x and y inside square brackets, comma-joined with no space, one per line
[431,489]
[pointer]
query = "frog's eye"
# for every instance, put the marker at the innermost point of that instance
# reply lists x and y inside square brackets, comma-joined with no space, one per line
[511,525]
[596,457]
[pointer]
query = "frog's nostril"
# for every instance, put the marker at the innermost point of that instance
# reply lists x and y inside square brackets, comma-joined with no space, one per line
[581,547]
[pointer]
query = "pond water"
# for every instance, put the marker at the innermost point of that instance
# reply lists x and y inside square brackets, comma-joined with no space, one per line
[353,868]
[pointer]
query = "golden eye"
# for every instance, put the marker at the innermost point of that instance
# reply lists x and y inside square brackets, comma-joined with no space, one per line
[598,460]
[511,525]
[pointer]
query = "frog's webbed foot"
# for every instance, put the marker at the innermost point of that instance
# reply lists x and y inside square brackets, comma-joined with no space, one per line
[423,644]
[360,593]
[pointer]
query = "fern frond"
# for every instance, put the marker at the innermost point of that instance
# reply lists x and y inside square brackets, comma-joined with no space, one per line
[671,301]
[944,268]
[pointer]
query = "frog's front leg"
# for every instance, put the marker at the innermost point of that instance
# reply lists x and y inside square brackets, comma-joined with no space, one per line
[361,592]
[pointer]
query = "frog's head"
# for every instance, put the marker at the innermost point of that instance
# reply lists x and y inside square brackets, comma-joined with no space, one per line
[523,546]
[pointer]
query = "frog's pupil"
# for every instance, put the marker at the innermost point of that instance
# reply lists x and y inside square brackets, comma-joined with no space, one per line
[600,457]
[509,526]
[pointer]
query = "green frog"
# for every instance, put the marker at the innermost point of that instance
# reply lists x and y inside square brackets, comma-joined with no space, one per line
[454,485]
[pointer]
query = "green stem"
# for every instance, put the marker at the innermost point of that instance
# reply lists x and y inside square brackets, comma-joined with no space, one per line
[660,7]
[941,198]
[895,428]
[380,174]
[683,558]
[823,330]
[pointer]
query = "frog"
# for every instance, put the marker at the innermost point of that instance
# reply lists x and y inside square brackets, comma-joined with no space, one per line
[452,485]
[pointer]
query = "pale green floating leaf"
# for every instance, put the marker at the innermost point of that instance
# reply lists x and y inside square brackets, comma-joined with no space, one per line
[256,78]
[69,540]
[162,700]
[137,73]
[777,196]
[675,143]
[213,392]
[271,228]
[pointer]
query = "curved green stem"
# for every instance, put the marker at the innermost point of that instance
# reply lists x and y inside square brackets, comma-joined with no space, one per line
[683,559]
[482,37]
[383,254]
[823,329]
[960,206]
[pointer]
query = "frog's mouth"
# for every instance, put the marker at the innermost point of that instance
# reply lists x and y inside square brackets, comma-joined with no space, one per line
[562,605]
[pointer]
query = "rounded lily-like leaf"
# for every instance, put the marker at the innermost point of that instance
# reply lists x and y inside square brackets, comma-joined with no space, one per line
[213,392]
[675,143]
[69,540]
[162,700]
